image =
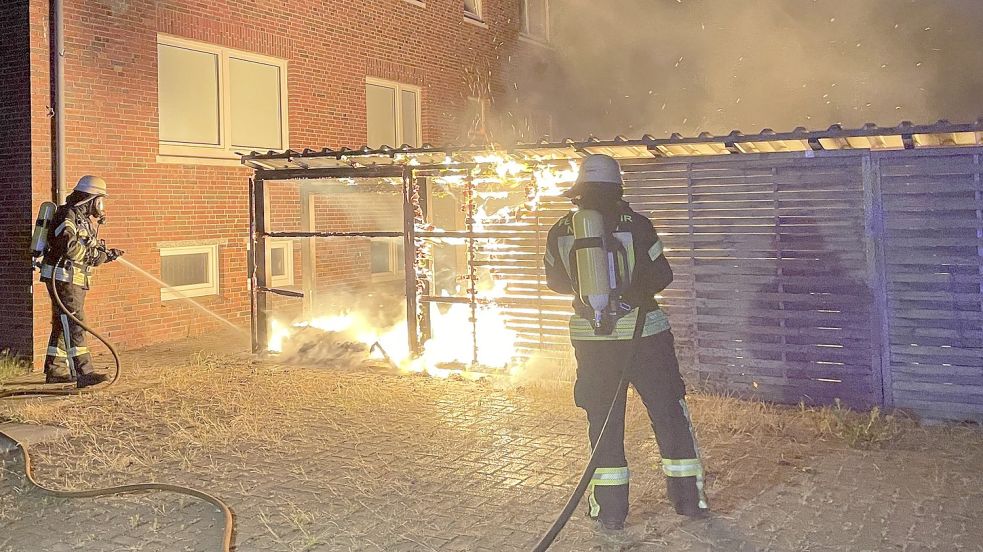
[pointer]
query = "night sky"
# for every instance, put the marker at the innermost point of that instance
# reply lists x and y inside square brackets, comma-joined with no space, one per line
[660,66]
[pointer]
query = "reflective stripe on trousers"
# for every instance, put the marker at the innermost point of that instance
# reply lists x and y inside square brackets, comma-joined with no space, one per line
[687,467]
[605,477]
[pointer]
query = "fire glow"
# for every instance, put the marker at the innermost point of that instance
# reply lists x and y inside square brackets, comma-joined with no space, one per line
[464,341]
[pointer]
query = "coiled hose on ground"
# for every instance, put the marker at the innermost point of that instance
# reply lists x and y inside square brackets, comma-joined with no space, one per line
[119,489]
[578,491]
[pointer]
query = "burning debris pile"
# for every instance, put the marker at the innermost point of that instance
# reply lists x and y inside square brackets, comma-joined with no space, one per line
[463,328]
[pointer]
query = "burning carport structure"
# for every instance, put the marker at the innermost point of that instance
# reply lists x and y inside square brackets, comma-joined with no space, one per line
[810,265]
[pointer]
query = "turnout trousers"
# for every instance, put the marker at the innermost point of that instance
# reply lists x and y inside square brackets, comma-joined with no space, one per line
[66,346]
[655,376]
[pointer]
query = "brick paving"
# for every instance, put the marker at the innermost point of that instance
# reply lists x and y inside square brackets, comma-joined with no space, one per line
[442,465]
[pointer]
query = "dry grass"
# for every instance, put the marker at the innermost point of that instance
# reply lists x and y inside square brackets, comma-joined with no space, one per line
[238,424]
[12,366]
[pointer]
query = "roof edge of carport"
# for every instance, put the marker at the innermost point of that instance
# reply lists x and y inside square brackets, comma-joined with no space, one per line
[870,137]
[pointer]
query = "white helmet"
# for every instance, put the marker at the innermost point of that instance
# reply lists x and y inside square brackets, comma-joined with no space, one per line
[92,185]
[597,171]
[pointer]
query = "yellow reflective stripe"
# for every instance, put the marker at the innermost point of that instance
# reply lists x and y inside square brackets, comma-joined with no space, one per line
[656,250]
[686,467]
[56,352]
[77,277]
[79,351]
[655,322]
[610,476]
[595,506]
[696,447]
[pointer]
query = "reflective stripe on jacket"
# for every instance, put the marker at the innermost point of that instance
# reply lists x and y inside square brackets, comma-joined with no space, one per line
[647,266]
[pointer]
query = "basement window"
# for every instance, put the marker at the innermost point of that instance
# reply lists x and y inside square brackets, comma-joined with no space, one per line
[392,114]
[282,263]
[190,271]
[535,20]
[213,101]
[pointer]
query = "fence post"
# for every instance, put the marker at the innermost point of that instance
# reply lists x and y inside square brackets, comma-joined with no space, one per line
[260,266]
[308,252]
[877,278]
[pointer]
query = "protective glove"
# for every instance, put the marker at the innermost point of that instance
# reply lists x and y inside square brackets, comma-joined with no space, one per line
[113,254]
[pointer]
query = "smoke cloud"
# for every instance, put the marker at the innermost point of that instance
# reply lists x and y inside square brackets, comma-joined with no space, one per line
[661,66]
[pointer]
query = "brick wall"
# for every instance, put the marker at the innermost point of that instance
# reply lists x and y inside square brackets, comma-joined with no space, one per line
[16,219]
[330,46]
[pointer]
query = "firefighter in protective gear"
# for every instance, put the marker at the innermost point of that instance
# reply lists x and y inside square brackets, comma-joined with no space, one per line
[73,250]
[602,352]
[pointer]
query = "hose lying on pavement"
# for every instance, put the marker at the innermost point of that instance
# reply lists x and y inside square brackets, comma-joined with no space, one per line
[119,489]
[125,489]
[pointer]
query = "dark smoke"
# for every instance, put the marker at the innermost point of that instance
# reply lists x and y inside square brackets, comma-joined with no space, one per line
[660,66]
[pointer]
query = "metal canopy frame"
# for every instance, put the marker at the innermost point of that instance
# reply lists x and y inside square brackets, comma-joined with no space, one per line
[415,209]
[410,164]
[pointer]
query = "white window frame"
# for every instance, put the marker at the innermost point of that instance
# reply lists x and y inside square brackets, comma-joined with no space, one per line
[287,279]
[224,151]
[524,32]
[193,290]
[476,16]
[399,87]
[396,262]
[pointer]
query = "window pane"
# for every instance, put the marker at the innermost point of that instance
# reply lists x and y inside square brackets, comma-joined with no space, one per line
[411,123]
[380,115]
[254,97]
[381,256]
[184,270]
[472,7]
[278,261]
[187,94]
[538,18]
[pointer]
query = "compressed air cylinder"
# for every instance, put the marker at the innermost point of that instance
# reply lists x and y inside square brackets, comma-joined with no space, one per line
[39,240]
[593,262]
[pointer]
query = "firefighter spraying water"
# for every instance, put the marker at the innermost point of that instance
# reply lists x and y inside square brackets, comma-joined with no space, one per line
[611,259]
[67,240]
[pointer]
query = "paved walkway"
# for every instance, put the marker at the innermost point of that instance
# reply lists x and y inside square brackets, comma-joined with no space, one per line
[331,459]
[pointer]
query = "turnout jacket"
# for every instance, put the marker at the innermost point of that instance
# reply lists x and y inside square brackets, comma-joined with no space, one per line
[648,269]
[73,247]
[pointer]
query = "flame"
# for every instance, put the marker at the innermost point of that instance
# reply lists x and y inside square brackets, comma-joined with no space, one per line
[453,339]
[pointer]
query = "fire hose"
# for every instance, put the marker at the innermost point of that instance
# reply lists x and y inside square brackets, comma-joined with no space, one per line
[584,482]
[229,520]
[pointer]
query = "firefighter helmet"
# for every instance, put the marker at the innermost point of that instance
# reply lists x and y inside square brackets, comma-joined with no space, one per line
[598,171]
[92,185]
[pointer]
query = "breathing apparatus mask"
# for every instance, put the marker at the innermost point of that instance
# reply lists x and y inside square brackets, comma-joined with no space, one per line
[99,209]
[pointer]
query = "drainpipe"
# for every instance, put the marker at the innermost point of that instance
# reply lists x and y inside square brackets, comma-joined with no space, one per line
[60,191]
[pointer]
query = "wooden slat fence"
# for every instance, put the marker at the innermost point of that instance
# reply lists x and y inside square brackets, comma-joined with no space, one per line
[932,243]
[843,275]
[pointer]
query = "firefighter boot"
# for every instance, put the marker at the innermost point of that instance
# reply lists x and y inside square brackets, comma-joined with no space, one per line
[685,497]
[92,378]
[52,377]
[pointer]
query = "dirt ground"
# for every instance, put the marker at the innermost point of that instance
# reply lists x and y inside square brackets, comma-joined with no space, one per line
[323,458]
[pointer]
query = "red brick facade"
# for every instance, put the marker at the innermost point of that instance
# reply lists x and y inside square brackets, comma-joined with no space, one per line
[15,176]
[331,46]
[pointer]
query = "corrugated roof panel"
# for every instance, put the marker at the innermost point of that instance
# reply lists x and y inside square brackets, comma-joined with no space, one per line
[621,151]
[533,153]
